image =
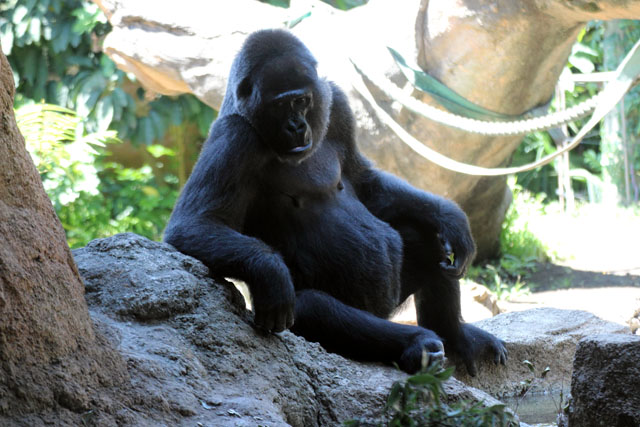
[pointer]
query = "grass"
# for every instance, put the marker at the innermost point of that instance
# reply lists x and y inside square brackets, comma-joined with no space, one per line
[521,250]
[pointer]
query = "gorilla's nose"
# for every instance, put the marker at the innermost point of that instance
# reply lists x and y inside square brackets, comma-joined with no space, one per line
[296,127]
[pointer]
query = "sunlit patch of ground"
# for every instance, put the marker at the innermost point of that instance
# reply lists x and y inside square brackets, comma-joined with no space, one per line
[598,262]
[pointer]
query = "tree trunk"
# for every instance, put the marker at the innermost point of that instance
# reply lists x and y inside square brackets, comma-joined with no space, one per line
[506,56]
[47,341]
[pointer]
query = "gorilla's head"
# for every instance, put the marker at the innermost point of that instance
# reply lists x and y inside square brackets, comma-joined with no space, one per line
[275,86]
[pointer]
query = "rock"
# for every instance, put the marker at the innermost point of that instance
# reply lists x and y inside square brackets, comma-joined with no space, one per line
[482,295]
[543,336]
[606,382]
[193,356]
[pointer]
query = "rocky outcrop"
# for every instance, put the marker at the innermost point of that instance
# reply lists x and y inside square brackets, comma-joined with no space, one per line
[193,356]
[546,337]
[605,387]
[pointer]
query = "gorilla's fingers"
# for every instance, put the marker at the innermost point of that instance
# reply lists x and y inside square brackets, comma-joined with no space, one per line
[471,367]
[504,354]
[290,319]
[501,353]
[280,321]
[258,317]
[451,270]
[270,322]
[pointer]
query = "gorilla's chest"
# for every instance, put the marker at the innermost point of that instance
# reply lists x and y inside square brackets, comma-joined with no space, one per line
[311,214]
[317,179]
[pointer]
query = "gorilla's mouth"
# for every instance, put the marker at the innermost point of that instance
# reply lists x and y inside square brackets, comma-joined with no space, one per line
[300,149]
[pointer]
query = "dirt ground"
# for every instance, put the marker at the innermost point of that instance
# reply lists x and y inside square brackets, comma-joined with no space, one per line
[599,263]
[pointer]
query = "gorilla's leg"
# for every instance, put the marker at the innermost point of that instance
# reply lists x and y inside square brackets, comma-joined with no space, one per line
[437,298]
[360,335]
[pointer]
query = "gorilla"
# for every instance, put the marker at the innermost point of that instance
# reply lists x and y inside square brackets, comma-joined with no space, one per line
[329,246]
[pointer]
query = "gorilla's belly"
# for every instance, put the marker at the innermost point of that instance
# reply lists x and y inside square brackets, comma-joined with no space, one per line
[336,245]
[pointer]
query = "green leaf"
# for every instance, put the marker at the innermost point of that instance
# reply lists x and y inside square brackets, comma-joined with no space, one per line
[394,395]
[60,41]
[296,21]
[145,131]
[158,150]
[6,35]
[20,29]
[445,96]
[90,92]
[104,113]
[107,66]
[19,13]
[545,372]
[119,97]
[158,123]
[529,365]
[30,65]
[35,29]
[445,374]
[421,379]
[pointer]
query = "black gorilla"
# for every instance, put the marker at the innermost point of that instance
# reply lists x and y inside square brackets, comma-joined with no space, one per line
[282,199]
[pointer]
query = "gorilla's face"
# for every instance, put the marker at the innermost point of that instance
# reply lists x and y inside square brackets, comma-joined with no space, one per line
[290,134]
[290,109]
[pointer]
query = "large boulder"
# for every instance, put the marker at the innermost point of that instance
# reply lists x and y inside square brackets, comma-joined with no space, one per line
[605,386]
[194,357]
[546,337]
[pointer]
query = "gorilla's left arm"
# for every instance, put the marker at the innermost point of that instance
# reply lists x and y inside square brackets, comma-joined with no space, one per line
[395,201]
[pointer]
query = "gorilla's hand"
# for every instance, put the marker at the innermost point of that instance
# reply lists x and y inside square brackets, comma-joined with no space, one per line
[475,343]
[273,303]
[456,244]
[454,262]
[429,342]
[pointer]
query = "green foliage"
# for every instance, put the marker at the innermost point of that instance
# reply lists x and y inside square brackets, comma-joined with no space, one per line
[93,198]
[338,4]
[587,56]
[521,250]
[346,4]
[417,401]
[516,240]
[279,3]
[128,199]
[53,47]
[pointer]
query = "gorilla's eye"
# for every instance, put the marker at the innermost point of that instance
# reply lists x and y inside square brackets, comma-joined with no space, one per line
[301,102]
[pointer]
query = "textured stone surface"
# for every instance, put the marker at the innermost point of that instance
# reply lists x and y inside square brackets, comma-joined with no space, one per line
[193,355]
[605,386]
[545,337]
[49,355]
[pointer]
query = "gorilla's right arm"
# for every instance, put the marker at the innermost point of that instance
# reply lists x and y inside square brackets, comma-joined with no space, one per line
[207,221]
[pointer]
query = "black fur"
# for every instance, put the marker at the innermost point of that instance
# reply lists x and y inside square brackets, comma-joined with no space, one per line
[282,199]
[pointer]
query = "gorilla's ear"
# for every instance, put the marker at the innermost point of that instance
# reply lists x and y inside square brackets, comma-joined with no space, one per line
[244,89]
